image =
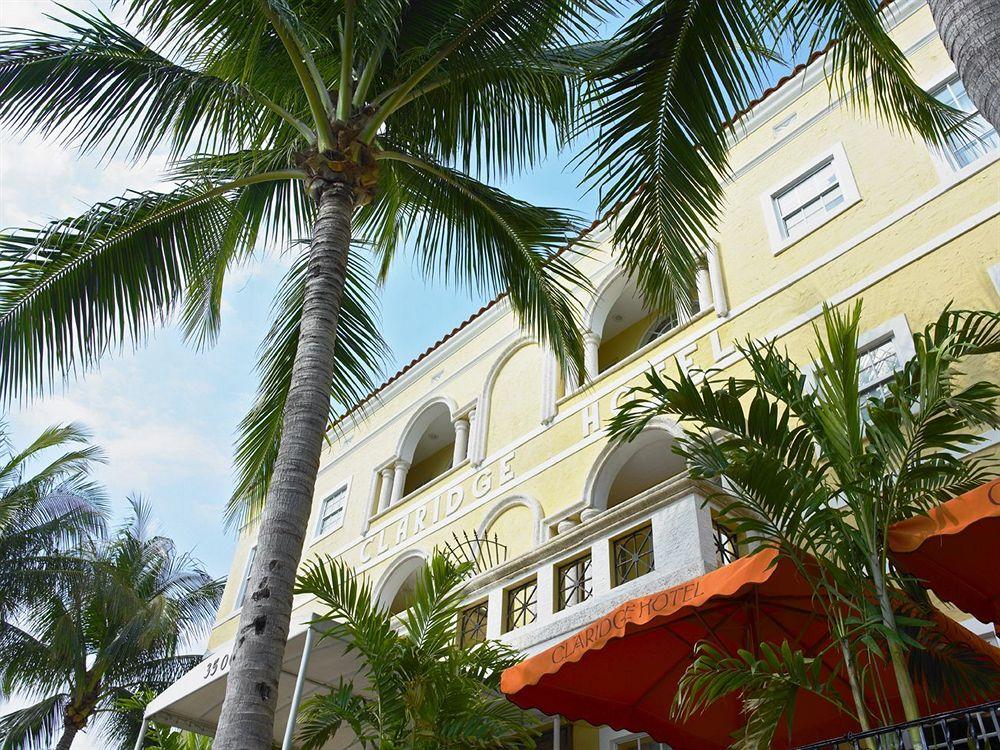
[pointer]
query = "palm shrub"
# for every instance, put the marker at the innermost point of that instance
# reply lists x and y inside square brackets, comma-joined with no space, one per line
[352,123]
[115,631]
[417,689]
[820,473]
[48,503]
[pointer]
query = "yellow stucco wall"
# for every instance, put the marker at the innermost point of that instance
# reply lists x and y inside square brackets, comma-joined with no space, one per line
[918,238]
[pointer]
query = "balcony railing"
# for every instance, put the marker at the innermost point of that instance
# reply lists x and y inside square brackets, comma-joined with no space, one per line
[974,728]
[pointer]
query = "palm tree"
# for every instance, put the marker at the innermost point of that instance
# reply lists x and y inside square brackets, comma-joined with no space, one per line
[679,73]
[360,121]
[418,689]
[113,632]
[47,503]
[820,473]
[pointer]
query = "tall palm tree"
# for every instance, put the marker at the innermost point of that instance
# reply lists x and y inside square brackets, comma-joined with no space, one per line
[361,121]
[824,471]
[116,631]
[678,74]
[47,504]
[418,689]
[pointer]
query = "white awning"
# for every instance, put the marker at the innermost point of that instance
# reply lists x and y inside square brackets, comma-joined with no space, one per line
[194,702]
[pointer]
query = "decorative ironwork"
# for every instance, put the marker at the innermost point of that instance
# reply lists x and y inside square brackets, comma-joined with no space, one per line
[575,582]
[472,625]
[522,605]
[482,553]
[876,366]
[973,728]
[633,555]
[726,545]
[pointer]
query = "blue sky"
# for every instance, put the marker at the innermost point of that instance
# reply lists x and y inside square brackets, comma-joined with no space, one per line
[166,414]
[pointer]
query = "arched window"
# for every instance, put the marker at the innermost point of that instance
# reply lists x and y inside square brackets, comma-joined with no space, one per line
[397,588]
[630,469]
[433,451]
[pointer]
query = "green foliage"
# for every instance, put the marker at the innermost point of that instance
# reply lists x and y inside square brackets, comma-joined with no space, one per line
[115,628]
[820,473]
[417,689]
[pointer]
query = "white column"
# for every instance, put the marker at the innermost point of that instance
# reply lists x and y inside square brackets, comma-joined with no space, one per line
[600,566]
[461,440]
[477,435]
[398,481]
[591,344]
[715,280]
[300,679]
[550,382]
[494,614]
[704,289]
[385,490]
[142,733]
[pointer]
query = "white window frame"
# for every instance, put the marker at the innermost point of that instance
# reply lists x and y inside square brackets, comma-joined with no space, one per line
[944,160]
[895,329]
[611,739]
[245,579]
[319,531]
[994,274]
[837,156]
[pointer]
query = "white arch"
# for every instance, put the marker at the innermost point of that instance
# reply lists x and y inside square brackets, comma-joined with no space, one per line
[419,421]
[482,426]
[605,296]
[514,501]
[392,580]
[614,456]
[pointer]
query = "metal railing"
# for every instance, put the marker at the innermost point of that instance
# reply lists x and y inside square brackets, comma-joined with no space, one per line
[973,728]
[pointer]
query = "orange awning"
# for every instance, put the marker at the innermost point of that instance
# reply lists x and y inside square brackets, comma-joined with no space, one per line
[955,550]
[623,669]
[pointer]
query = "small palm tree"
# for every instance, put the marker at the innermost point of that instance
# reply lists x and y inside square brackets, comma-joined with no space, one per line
[47,504]
[819,474]
[419,689]
[351,121]
[115,631]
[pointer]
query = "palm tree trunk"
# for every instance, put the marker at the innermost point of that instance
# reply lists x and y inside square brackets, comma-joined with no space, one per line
[970,30]
[69,732]
[247,720]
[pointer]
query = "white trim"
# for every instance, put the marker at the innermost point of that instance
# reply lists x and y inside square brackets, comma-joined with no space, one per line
[396,574]
[944,159]
[420,419]
[318,532]
[837,157]
[616,739]
[994,273]
[519,500]
[244,581]
[480,430]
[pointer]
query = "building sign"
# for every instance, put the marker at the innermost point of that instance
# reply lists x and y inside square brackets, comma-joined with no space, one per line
[436,510]
[637,612]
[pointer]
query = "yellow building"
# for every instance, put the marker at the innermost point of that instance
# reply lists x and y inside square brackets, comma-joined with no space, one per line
[481,435]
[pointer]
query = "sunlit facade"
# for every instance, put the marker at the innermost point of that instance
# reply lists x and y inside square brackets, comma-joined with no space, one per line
[482,436]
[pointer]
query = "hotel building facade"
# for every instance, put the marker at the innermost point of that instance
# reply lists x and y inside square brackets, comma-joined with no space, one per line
[482,435]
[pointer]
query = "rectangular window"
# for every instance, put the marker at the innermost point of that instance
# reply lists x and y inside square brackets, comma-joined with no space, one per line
[331,511]
[809,201]
[472,625]
[574,582]
[981,138]
[241,595]
[727,548]
[633,555]
[877,363]
[642,742]
[522,605]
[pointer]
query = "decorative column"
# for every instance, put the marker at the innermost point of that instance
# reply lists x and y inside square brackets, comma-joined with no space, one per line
[385,489]
[704,289]
[461,440]
[398,481]
[715,281]
[591,344]
[550,382]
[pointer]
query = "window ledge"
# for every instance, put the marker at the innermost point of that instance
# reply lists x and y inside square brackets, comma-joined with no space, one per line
[415,493]
[785,244]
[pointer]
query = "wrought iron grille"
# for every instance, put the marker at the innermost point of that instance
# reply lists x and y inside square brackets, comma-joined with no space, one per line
[726,546]
[522,605]
[482,553]
[633,555]
[575,582]
[472,625]
[974,728]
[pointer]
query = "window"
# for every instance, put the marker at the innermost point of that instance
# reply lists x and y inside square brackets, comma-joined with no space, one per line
[809,198]
[727,547]
[633,555]
[806,203]
[331,511]
[877,363]
[522,605]
[640,742]
[245,583]
[472,625]
[575,582]
[981,138]
[669,322]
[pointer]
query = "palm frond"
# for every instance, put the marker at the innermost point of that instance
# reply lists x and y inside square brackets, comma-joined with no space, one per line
[34,727]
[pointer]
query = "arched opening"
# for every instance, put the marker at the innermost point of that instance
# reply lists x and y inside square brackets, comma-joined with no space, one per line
[632,468]
[428,447]
[397,590]
[623,323]
[514,522]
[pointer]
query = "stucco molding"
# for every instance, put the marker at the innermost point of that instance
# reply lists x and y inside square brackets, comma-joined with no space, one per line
[514,501]
[396,573]
[481,428]
[418,422]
